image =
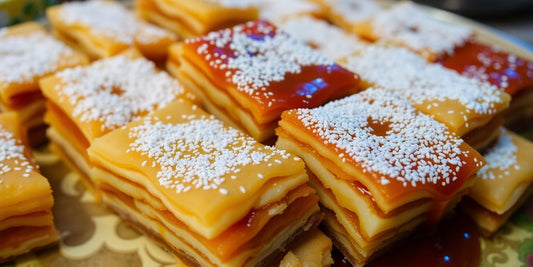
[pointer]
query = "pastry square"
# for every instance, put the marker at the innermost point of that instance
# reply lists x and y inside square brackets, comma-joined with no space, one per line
[23,63]
[328,39]
[26,222]
[106,28]
[211,194]
[189,18]
[412,27]
[348,13]
[87,102]
[467,106]
[510,73]
[503,184]
[247,75]
[279,11]
[380,167]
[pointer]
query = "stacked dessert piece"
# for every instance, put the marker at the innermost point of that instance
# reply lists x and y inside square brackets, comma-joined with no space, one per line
[347,14]
[503,184]
[279,11]
[470,108]
[26,222]
[510,73]
[247,75]
[87,102]
[380,167]
[189,18]
[209,193]
[22,64]
[106,28]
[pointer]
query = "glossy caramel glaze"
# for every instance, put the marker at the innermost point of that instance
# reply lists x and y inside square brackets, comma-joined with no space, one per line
[311,86]
[508,72]
[454,242]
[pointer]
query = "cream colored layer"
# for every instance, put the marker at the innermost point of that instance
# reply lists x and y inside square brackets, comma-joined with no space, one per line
[205,212]
[77,158]
[294,143]
[29,115]
[78,40]
[181,246]
[203,16]
[22,240]
[311,250]
[40,218]
[501,193]
[371,222]
[223,106]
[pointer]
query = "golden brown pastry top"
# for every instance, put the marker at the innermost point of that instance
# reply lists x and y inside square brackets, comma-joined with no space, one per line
[207,174]
[111,92]
[384,143]
[268,71]
[507,174]
[459,102]
[28,53]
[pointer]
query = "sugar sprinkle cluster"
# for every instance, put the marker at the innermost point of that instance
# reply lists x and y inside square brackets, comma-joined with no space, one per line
[260,55]
[197,153]
[354,11]
[23,58]
[501,157]
[329,40]
[508,66]
[12,150]
[409,75]
[410,25]
[412,149]
[111,20]
[116,90]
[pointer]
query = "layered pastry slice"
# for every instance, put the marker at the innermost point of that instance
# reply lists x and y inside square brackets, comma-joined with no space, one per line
[189,18]
[470,108]
[412,27]
[26,221]
[247,75]
[347,14]
[380,168]
[328,39]
[22,64]
[279,11]
[510,73]
[503,184]
[102,29]
[87,102]
[208,193]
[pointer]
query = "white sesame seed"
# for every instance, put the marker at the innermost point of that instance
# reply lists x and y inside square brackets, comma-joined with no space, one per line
[501,156]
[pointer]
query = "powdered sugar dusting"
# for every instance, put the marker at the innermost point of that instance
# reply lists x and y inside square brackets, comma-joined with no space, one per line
[12,150]
[197,153]
[112,20]
[409,25]
[116,90]
[354,11]
[329,40]
[23,58]
[260,55]
[409,75]
[501,156]
[385,134]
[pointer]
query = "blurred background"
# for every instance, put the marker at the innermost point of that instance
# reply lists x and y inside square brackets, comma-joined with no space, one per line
[514,17]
